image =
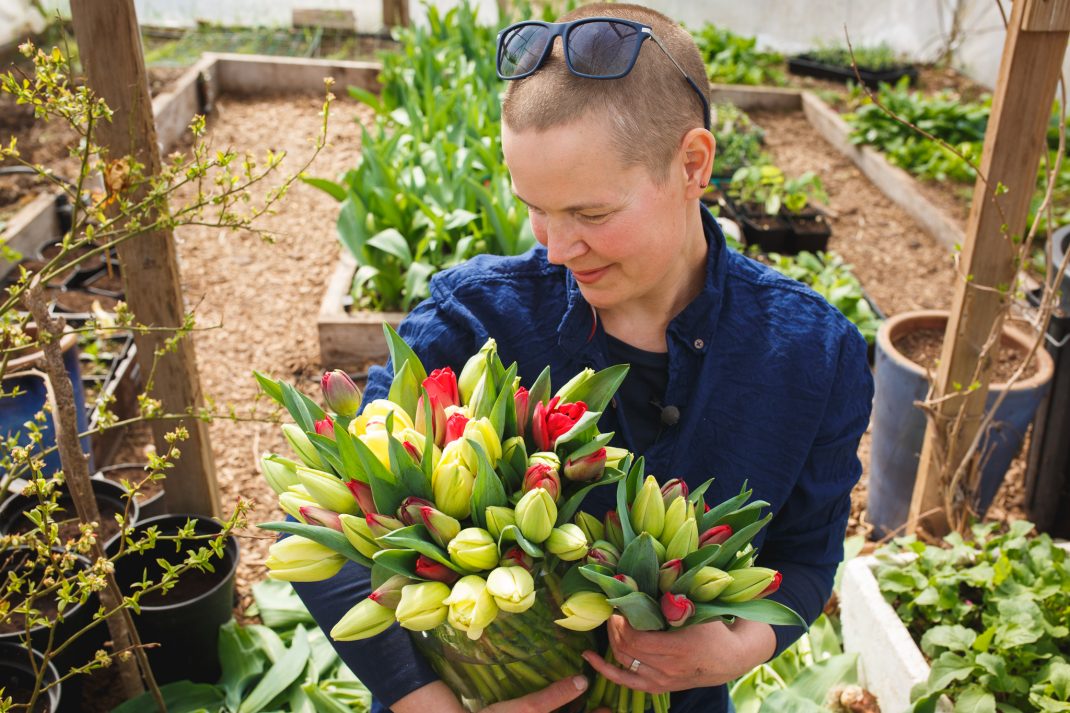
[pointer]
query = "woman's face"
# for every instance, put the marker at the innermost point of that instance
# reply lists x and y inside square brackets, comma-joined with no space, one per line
[621,234]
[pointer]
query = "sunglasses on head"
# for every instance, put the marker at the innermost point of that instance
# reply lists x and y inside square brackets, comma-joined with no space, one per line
[594,48]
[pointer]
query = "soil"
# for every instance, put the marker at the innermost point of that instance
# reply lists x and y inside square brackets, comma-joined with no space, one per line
[133,475]
[16,622]
[924,345]
[191,584]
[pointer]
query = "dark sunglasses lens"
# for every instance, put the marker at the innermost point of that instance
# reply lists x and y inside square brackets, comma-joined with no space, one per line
[520,49]
[603,48]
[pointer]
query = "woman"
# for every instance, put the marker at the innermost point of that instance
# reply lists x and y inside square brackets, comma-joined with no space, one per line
[737,372]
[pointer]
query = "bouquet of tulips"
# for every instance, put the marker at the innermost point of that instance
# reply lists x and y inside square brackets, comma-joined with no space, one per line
[458,493]
[665,559]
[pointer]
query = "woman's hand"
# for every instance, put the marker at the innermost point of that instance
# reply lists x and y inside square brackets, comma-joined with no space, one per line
[547,700]
[693,657]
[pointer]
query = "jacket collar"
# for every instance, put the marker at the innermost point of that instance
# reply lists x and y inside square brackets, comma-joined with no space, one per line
[694,327]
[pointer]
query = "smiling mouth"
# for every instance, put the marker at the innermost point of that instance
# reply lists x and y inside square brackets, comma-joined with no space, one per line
[588,276]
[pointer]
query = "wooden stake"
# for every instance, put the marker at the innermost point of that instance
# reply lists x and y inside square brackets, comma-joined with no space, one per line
[109,44]
[395,14]
[1014,141]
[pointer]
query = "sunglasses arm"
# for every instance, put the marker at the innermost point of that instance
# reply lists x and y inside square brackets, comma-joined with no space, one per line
[699,92]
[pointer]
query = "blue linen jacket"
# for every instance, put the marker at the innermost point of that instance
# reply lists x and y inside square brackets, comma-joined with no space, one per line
[773,389]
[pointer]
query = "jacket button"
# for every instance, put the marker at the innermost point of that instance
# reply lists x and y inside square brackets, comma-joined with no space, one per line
[699,344]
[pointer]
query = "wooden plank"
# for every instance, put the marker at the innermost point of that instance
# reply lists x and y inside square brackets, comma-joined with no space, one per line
[900,187]
[252,74]
[1047,16]
[350,340]
[1014,141]
[33,227]
[325,18]
[755,98]
[193,93]
[115,70]
[395,13]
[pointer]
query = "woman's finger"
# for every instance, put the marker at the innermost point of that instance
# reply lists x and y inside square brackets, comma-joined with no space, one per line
[650,681]
[545,700]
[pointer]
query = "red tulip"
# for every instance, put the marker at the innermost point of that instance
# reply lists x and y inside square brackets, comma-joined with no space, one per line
[773,586]
[587,468]
[455,427]
[542,475]
[409,510]
[437,428]
[363,493]
[677,608]
[715,535]
[516,557]
[669,573]
[441,386]
[325,427]
[340,393]
[673,489]
[551,421]
[427,568]
[521,400]
[315,515]
[412,451]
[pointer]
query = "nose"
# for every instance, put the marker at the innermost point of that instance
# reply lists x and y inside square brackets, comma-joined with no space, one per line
[563,243]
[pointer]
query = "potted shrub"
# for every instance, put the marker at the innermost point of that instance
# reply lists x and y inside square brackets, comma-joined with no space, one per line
[111,501]
[907,345]
[149,496]
[876,64]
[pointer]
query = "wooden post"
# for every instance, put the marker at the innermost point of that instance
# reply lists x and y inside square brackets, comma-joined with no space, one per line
[109,44]
[1032,57]
[395,14]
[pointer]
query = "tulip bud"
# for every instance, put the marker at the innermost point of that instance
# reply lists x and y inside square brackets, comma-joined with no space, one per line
[708,584]
[382,524]
[499,518]
[409,510]
[585,611]
[325,427]
[455,427]
[437,428]
[442,527]
[364,620]
[615,455]
[298,559]
[521,400]
[279,472]
[772,586]
[358,533]
[715,535]
[659,550]
[675,515]
[474,549]
[571,387]
[684,542]
[604,553]
[626,579]
[327,490]
[553,420]
[513,589]
[373,418]
[340,393]
[676,608]
[613,530]
[673,489]
[548,458]
[422,606]
[388,594]
[748,584]
[482,432]
[315,515]
[514,452]
[516,557]
[536,514]
[471,606]
[588,468]
[472,372]
[543,476]
[362,493]
[427,568]
[744,558]
[668,574]
[648,510]
[452,484]
[567,542]
[592,527]
[302,446]
[294,499]
[441,386]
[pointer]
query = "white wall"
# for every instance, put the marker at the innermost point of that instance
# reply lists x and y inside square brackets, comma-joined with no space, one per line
[17,20]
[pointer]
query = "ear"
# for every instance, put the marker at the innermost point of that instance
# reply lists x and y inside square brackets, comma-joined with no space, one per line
[697,150]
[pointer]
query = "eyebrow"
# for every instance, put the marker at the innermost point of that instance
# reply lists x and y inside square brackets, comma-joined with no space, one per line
[572,208]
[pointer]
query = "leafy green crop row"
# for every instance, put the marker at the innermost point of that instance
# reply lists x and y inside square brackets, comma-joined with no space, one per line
[734,59]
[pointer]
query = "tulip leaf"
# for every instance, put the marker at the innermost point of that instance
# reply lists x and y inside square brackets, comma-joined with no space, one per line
[576,581]
[347,452]
[412,478]
[482,401]
[501,404]
[585,428]
[239,658]
[401,562]
[328,451]
[566,510]
[641,611]
[284,672]
[488,490]
[404,389]
[427,460]
[305,411]
[735,543]
[598,390]
[323,702]
[701,556]
[639,560]
[599,441]
[765,611]
[512,532]
[696,497]
[179,697]
[623,512]
[401,354]
[728,506]
[387,492]
[416,537]
[538,393]
[744,516]
[270,387]
[611,587]
[331,539]
[513,465]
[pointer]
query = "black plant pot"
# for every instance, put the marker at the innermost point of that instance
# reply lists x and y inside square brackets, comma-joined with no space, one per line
[151,505]
[184,622]
[770,233]
[18,679]
[109,498]
[810,230]
[806,66]
[75,617]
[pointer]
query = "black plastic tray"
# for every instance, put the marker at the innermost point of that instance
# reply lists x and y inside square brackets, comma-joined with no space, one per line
[806,66]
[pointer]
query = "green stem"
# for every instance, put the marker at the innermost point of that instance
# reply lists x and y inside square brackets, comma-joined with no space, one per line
[598,691]
[638,701]
[624,700]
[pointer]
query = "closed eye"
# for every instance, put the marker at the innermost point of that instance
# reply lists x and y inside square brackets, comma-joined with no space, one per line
[594,219]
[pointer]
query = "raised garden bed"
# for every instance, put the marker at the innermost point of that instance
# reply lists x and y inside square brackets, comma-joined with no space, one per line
[349,340]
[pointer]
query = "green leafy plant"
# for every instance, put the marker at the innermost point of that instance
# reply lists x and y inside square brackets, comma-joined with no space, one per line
[829,276]
[734,59]
[766,185]
[875,58]
[431,188]
[991,615]
[739,140]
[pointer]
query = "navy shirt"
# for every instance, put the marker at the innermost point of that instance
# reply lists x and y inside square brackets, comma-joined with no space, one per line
[772,385]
